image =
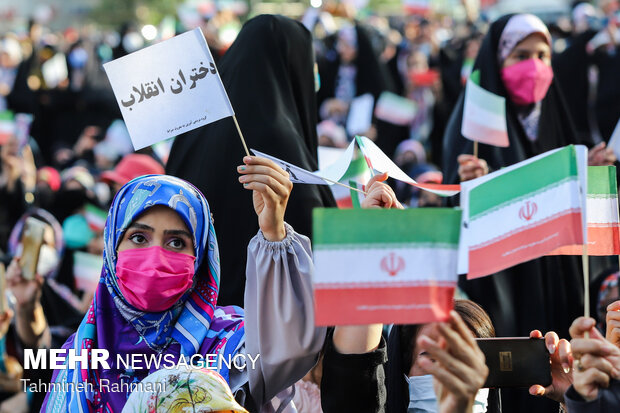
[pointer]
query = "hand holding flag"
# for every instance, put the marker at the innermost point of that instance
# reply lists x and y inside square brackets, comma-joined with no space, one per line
[271,190]
[471,167]
[380,195]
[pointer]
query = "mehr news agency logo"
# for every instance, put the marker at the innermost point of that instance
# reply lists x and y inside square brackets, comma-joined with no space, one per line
[59,359]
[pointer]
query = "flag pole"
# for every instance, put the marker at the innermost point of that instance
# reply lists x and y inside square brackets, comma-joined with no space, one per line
[346,186]
[241,135]
[476,149]
[586,284]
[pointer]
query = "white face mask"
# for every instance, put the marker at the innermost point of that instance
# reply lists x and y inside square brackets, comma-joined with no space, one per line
[422,398]
[48,260]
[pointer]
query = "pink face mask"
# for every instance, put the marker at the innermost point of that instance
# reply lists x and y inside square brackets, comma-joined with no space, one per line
[153,279]
[527,82]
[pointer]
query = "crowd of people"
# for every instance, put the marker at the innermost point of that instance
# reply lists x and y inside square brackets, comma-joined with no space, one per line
[129,260]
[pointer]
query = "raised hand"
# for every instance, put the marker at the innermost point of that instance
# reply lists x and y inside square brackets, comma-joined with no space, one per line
[271,188]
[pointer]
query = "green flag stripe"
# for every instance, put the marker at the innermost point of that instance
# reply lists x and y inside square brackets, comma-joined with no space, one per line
[355,199]
[386,226]
[602,180]
[357,167]
[475,77]
[527,179]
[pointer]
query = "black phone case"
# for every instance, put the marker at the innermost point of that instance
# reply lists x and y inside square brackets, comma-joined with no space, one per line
[516,362]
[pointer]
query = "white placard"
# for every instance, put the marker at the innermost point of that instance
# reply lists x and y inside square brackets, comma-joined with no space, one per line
[168,88]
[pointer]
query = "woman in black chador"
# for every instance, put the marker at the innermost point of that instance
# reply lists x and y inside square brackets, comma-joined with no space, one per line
[268,73]
[546,293]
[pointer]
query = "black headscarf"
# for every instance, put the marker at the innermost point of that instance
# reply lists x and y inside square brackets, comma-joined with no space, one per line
[372,75]
[545,293]
[268,74]
[555,128]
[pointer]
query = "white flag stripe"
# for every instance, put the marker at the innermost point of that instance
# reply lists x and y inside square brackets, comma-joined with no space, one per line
[543,205]
[336,170]
[479,115]
[345,266]
[602,210]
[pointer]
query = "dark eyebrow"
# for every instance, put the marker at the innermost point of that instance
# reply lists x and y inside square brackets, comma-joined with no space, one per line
[178,232]
[141,226]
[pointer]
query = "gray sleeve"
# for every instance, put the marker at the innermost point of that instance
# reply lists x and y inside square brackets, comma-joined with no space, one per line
[279,313]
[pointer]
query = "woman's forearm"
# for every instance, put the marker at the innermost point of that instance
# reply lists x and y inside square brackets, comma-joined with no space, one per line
[357,339]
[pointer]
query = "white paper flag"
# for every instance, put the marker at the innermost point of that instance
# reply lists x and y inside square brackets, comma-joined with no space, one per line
[379,161]
[328,176]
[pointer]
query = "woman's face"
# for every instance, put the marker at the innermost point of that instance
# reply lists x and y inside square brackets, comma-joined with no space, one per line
[430,331]
[159,226]
[347,52]
[533,46]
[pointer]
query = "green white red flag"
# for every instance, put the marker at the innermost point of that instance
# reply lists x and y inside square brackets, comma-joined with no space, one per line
[7,126]
[384,265]
[524,211]
[379,161]
[484,115]
[602,214]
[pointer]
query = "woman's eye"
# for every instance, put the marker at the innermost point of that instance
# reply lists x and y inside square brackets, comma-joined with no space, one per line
[177,243]
[138,239]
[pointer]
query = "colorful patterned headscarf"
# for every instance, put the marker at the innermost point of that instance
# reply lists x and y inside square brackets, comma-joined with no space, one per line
[183,390]
[194,325]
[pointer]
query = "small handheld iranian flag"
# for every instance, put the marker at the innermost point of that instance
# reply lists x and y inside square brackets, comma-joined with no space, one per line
[484,114]
[524,211]
[602,214]
[7,126]
[95,217]
[384,265]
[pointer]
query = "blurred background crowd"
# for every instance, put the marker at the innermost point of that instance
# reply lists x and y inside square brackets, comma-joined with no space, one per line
[65,151]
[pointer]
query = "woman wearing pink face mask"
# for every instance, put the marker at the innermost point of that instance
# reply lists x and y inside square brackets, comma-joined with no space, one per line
[157,297]
[514,61]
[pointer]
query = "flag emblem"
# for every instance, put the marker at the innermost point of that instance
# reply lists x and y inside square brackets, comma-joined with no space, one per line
[528,210]
[392,264]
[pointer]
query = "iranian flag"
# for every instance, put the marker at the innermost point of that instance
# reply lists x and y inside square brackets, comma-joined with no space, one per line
[602,214]
[379,161]
[384,265]
[524,211]
[87,270]
[395,109]
[357,173]
[95,217]
[484,114]
[7,126]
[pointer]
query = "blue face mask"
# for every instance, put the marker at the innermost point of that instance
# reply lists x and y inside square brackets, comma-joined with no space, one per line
[422,397]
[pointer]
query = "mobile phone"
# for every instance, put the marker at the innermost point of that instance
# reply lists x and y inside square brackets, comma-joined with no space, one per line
[32,239]
[516,361]
[22,129]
